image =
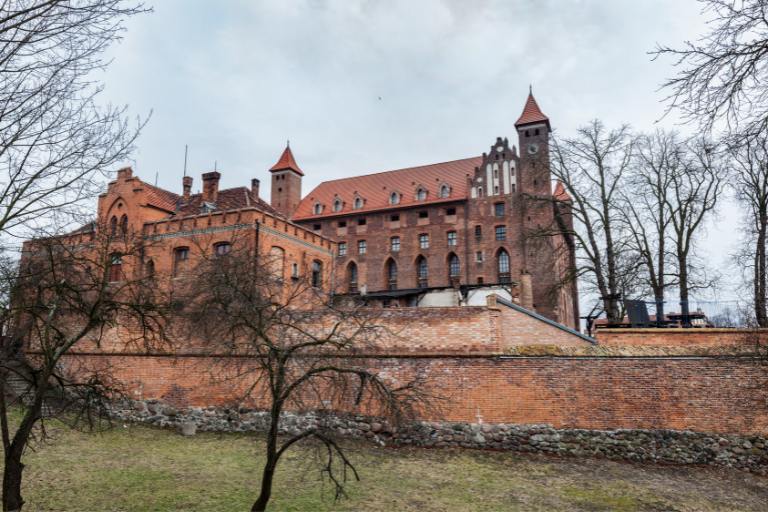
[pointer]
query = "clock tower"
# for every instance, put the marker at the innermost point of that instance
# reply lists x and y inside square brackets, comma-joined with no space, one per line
[533,130]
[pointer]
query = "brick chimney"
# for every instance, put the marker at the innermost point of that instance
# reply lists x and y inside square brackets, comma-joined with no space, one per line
[186,183]
[255,188]
[124,173]
[526,290]
[211,186]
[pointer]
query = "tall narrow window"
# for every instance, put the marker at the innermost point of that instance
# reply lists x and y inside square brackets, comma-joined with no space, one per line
[394,244]
[454,266]
[498,209]
[180,258]
[342,248]
[317,274]
[503,263]
[501,233]
[149,269]
[358,203]
[422,272]
[424,241]
[337,205]
[277,261]
[392,275]
[113,226]
[451,238]
[115,267]
[362,247]
[478,233]
[124,224]
[352,277]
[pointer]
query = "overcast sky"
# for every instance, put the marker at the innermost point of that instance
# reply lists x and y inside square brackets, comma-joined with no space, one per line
[367,86]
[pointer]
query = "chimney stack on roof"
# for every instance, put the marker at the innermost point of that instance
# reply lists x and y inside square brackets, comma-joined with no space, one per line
[124,173]
[187,187]
[211,186]
[255,188]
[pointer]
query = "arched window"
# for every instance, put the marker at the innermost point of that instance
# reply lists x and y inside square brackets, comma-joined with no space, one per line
[454,266]
[358,203]
[149,269]
[421,194]
[113,226]
[317,209]
[222,249]
[422,272]
[124,224]
[479,191]
[394,198]
[445,191]
[337,205]
[352,277]
[277,261]
[115,267]
[180,258]
[503,266]
[317,274]
[391,275]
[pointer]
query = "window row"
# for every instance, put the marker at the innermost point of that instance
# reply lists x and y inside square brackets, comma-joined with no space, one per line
[394,243]
[422,271]
[395,197]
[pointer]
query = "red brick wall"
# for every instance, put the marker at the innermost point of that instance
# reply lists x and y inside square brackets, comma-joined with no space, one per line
[707,394]
[679,337]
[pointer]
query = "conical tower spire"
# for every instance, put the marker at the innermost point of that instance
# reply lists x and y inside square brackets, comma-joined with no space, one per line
[287,162]
[531,112]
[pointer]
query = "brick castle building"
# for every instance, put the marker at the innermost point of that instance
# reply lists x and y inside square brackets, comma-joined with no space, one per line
[446,234]
[450,233]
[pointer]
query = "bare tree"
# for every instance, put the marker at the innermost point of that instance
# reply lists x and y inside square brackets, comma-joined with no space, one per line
[69,291]
[722,76]
[646,211]
[593,168]
[750,159]
[694,193]
[294,352]
[55,139]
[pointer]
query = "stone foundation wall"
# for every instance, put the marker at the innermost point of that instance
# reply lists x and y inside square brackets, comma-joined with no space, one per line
[664,446]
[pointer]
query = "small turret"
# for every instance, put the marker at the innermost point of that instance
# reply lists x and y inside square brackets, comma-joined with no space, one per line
[286,183]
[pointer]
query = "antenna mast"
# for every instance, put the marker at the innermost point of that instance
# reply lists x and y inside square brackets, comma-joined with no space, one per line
[185,159]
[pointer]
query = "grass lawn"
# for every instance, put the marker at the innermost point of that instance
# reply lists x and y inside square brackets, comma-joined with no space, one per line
[139,469]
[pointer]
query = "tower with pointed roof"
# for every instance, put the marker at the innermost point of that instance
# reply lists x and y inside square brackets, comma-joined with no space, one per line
[286,183]
[533,130]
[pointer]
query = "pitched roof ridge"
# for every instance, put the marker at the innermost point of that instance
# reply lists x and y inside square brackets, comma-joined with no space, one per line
[402,169]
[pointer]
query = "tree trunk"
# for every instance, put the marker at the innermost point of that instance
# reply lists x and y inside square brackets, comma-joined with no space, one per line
[760,272]
[12,500]
[268,473]
[684,307]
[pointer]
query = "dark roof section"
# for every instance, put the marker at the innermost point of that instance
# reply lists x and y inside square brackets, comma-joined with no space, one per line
[228,199]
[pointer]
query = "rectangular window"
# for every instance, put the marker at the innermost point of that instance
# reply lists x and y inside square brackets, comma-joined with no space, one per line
[450,211]
[342,223]
[451,238]
[501,233]
[478,233]
[424,241]
[498,209]
[316,227]
[479,256]
[395,244]
[361,221]
[342,248]
[423,214]
[362,247]
[394,218]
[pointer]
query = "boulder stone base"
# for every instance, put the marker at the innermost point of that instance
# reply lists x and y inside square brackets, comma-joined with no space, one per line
[665,446]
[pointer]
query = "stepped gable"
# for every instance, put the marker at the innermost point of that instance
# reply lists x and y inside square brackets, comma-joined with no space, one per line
[375,189]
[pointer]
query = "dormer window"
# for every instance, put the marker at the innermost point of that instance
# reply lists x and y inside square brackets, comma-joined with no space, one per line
[394,198]
[207,207]
[358,203]
[337,204]
[445,191]
[421,194]
[317,209]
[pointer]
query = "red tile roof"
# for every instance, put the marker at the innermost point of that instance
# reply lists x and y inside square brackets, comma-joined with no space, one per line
[531,113]
[560,194]
[375,189]
[286,162]
[160,198]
